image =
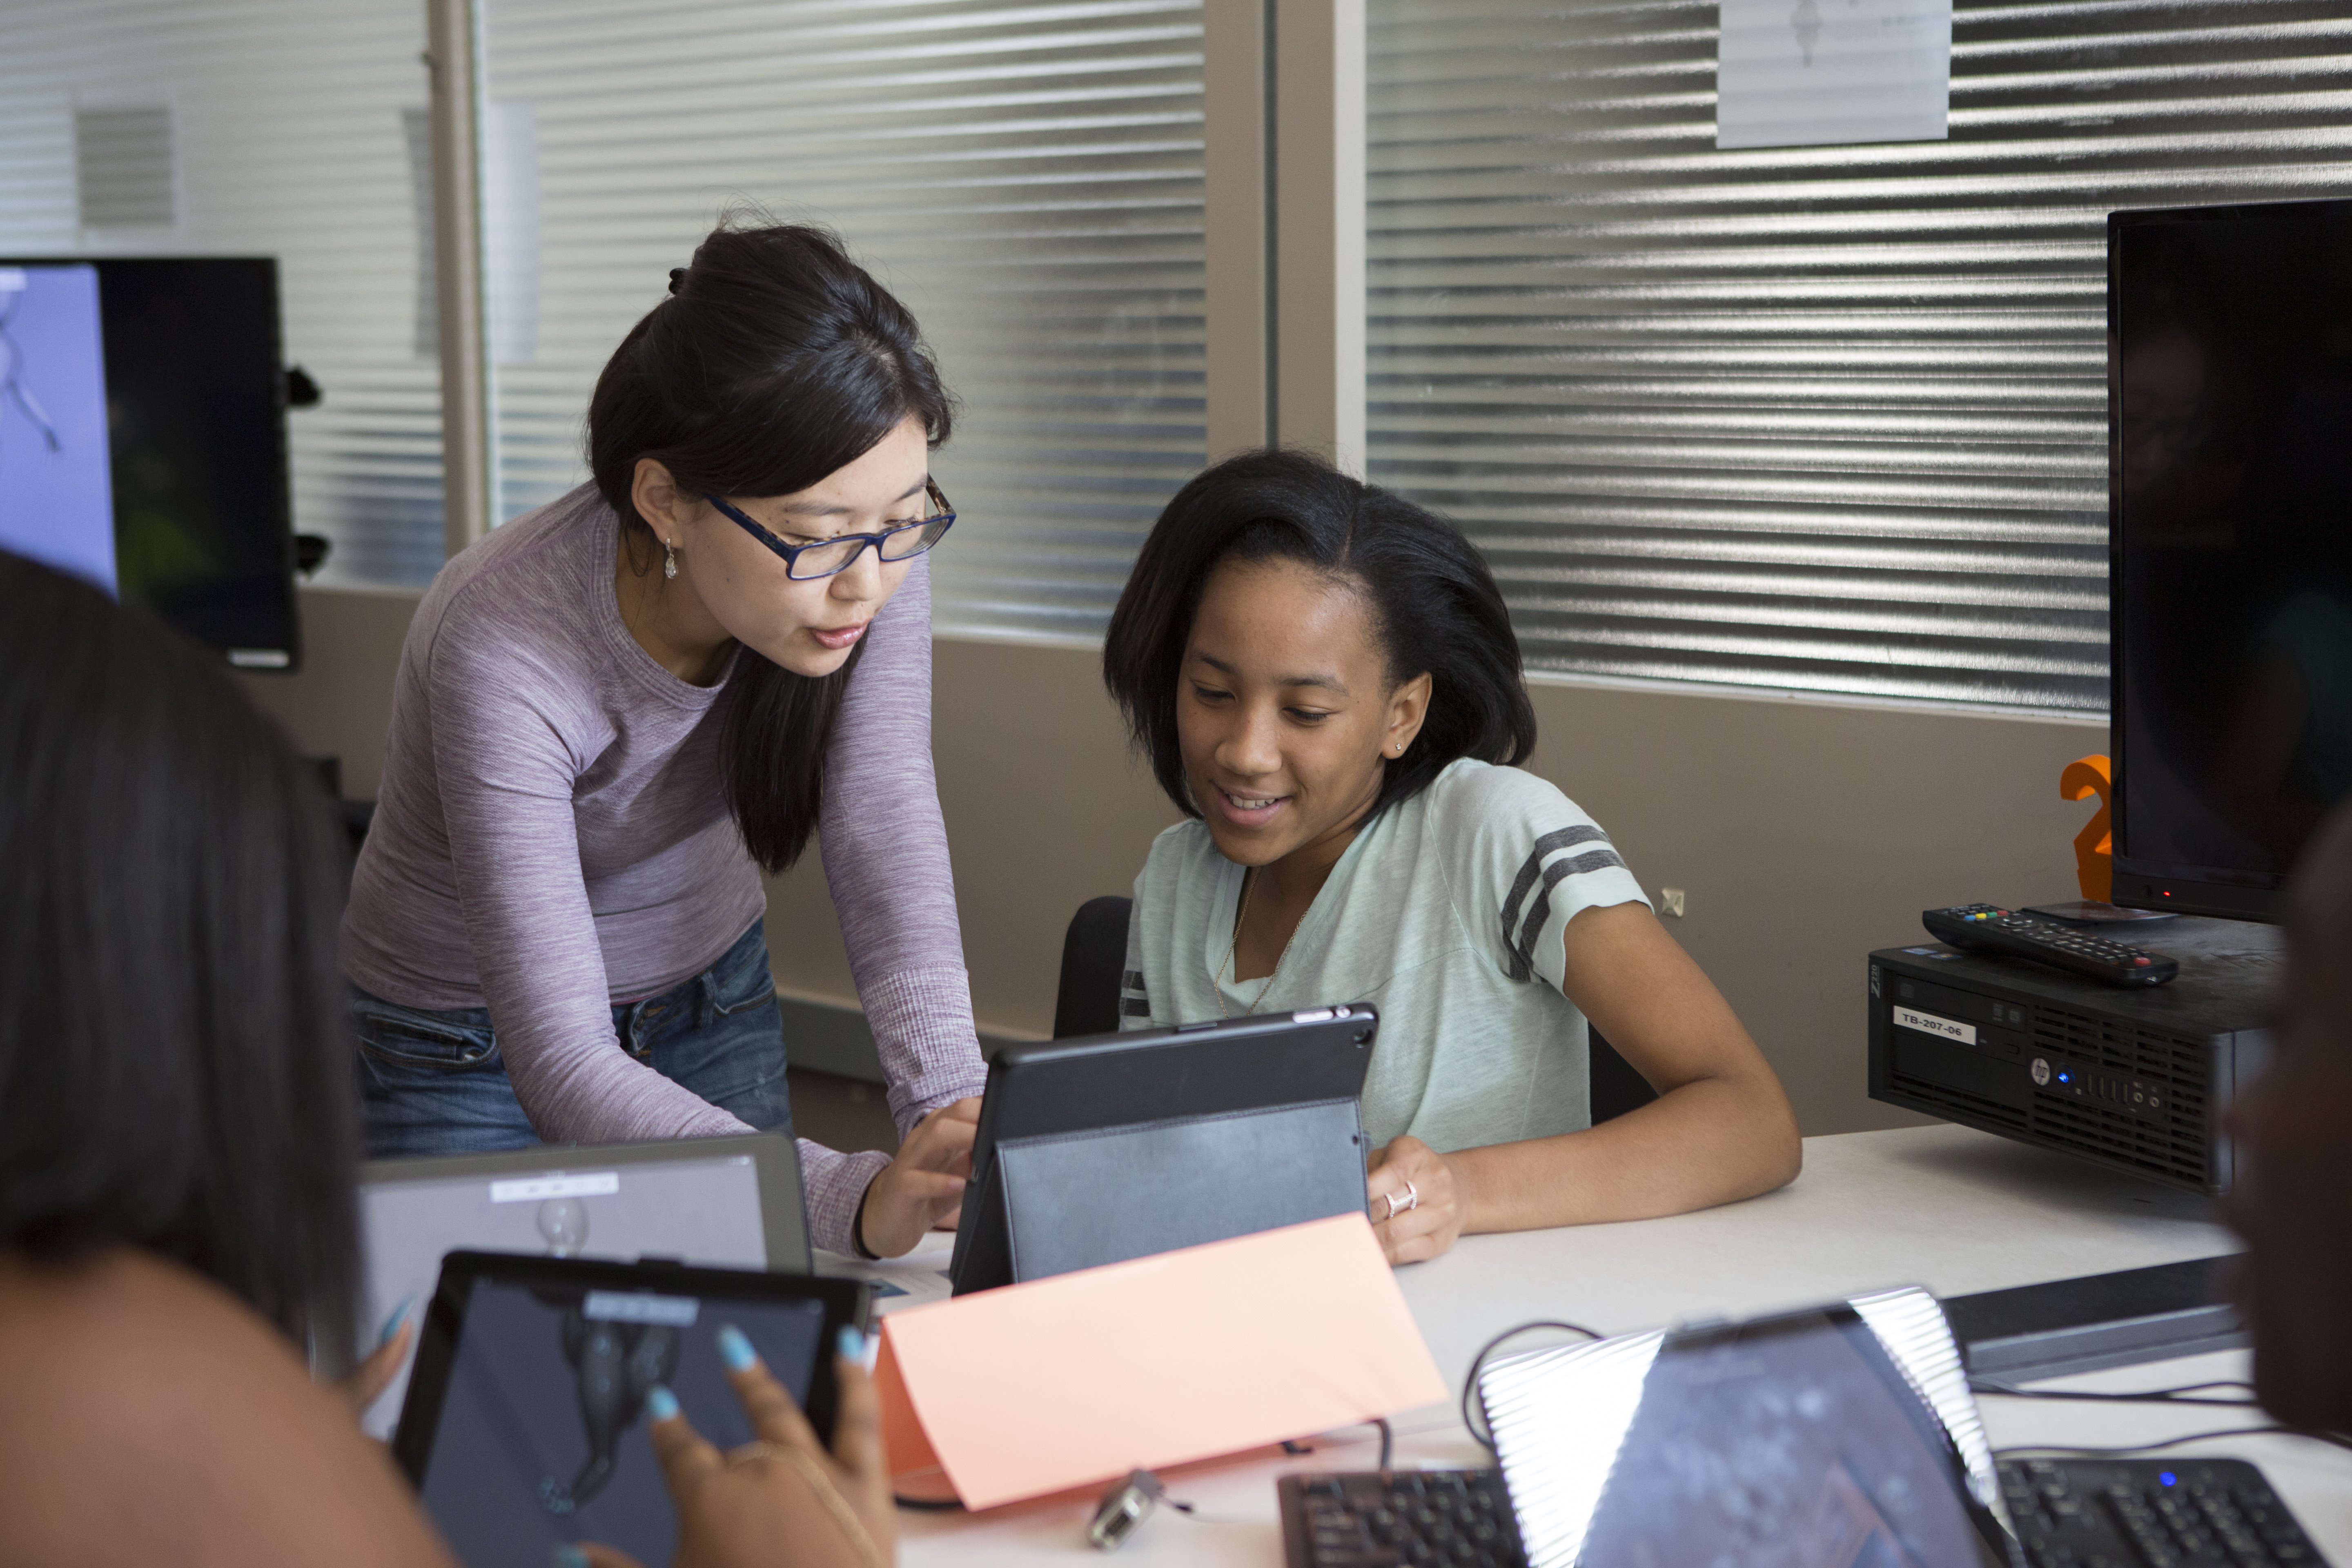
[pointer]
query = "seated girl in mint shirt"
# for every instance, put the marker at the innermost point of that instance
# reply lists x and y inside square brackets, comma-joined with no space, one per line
[1324,678]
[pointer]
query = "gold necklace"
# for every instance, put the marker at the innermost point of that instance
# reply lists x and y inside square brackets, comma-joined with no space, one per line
[1217,981]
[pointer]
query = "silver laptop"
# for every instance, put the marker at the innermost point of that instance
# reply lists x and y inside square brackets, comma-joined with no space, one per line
[1844,1437]
[725,1203]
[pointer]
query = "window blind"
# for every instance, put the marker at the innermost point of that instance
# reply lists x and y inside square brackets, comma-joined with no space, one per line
[1832,418]
[1026,178]
[254,127]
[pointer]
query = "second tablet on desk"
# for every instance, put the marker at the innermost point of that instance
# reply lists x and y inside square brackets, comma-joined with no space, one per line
[1095,1150]
[728,1203]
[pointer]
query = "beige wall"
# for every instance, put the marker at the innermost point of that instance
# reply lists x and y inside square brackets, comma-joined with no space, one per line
[1806,833]
[1044,812]
[340,703]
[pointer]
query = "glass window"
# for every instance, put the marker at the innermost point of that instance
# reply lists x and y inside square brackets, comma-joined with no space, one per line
[1828,418]
[263,128]
[1027,179]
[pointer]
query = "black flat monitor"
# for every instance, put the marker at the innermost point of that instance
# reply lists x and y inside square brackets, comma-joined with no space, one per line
[2230,397]
[143,439]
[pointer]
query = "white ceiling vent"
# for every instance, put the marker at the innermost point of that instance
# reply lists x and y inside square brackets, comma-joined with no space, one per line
[122,159]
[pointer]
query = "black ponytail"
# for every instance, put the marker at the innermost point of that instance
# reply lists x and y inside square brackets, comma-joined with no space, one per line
[775,360]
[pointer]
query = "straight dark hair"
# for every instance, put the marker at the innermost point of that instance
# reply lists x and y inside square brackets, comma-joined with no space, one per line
[1434,607]
[173,1074]
[775,360]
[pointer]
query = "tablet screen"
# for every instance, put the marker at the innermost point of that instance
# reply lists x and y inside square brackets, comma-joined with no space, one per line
[696,1208]
[541,1433]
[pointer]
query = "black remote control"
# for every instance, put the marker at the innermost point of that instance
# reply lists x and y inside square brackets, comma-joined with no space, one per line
[1989,928]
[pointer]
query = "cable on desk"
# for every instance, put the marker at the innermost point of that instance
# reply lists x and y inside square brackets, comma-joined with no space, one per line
[1480,1432]
[2181,1395]
[2337,1438]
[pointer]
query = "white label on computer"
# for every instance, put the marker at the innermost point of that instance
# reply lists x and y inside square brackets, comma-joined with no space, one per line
[1943,1028]
[640,1307]
[538,1189]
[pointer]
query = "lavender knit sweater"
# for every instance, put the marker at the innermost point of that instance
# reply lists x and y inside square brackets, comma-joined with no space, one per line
[550,839]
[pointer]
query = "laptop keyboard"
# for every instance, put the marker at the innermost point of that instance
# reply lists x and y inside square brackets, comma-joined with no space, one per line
[1427,1519]
[2151,1514]
[2130,1513]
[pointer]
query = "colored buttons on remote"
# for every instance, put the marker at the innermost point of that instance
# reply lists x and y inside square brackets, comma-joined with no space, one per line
[1989,928]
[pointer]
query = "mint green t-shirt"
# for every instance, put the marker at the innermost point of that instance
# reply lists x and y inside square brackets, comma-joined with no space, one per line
[1447,914]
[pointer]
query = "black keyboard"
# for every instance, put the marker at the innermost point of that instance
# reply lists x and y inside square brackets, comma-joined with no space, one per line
[1373,1520]
[2151,1514]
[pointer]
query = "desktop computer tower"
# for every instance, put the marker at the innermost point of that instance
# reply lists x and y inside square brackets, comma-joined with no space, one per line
[2133,1080]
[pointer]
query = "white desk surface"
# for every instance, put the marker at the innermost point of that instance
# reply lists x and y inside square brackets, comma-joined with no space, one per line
[1954,1210]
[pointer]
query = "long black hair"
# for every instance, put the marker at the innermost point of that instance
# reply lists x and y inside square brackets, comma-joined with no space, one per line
[775,360]
[173,1072]
[1435,609]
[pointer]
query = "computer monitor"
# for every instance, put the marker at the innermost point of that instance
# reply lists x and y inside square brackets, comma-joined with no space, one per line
[2229,389]
[143,439]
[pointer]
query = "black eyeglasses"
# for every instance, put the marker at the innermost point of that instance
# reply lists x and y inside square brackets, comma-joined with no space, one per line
[805,562]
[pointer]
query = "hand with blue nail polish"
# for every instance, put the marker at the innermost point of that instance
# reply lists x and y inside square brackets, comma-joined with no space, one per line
[365,1383]
[767,1503]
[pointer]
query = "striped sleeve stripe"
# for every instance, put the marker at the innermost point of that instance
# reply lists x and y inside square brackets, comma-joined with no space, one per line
[1537,876]
[1134,1002]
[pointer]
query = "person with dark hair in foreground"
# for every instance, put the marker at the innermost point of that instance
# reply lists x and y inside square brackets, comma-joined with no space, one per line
[615,711]
[1324,678]
[178,1150]
[2293,1197]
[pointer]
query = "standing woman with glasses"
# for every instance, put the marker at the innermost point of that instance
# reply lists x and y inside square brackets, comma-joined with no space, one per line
[617,709]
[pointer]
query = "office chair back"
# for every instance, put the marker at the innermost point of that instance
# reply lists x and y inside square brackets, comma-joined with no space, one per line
[1094,955]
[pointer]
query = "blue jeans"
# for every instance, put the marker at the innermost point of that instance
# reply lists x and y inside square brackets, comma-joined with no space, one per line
[433,1083]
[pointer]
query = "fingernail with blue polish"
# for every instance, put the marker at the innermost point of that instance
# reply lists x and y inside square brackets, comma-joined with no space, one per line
[392,1324]
[852,1343]
[570,1556]
[661,1405]
[735,1350]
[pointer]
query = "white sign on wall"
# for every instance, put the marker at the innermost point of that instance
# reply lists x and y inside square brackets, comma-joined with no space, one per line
[1810,73]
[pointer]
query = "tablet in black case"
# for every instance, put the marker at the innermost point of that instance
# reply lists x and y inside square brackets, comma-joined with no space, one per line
[524,1424]
[1118,1146]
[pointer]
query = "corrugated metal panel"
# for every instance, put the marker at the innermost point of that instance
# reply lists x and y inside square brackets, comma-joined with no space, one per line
[286,118]
[1825,418]
[1026,178]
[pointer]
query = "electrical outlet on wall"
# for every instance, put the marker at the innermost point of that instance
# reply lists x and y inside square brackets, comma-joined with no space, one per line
[1670,901]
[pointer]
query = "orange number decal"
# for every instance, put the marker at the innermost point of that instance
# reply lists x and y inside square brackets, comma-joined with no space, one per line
[2095,865]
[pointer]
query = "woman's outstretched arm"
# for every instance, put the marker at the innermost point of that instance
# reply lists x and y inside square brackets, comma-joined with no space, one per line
[886,864]
[1719,1130]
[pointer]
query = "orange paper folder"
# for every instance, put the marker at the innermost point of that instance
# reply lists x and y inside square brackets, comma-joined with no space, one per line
[1072,1380]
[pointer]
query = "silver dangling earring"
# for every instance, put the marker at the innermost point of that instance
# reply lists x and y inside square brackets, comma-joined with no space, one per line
[670,559]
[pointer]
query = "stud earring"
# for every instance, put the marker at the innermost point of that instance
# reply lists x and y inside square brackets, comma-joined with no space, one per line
[670,559]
